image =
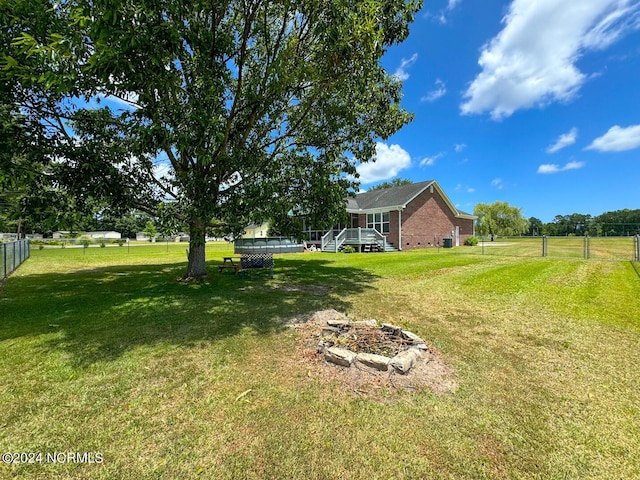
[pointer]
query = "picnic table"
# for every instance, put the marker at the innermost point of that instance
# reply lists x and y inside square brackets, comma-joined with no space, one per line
[248,262]
[230,263]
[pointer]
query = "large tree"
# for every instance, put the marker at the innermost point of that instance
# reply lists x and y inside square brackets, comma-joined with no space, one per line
[259,107]
[535,226]
[499,218]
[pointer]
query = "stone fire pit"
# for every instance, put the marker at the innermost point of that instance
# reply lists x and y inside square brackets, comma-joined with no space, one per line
[369,358]
[383,347]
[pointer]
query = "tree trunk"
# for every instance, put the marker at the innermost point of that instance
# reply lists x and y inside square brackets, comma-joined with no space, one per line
[196,268]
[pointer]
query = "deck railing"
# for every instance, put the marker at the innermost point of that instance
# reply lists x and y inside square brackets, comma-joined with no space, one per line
[353,236]
[340,238]
[327,238]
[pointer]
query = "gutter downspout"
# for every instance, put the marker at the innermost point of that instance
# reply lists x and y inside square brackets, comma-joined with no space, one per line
[399,229]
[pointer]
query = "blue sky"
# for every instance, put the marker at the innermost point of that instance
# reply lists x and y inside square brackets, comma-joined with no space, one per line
[532,103]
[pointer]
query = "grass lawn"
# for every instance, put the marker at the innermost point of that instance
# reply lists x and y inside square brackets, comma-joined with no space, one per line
[104,351]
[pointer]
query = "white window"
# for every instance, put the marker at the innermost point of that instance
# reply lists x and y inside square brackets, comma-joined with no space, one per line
[379,221]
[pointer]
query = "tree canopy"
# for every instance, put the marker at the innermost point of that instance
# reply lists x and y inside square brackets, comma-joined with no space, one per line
[499,218]
[256,108]
[396,182]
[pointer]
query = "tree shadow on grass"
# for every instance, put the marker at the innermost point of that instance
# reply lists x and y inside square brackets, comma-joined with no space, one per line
[97,315]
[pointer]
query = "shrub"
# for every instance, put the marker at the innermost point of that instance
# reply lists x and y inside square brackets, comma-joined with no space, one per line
[471,241]
[54,242]
[120,242]
[102,244]
[85,240]
[348,249]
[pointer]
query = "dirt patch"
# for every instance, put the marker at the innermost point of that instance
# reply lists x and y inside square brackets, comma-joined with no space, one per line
[430,373]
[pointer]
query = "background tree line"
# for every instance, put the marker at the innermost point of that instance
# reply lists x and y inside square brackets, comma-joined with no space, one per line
[612,224]
[502,219]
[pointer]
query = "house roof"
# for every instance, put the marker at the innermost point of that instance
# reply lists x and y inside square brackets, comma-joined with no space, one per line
[390,197]
[397,198]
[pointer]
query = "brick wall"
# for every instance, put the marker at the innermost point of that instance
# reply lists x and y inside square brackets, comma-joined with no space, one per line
[428,219]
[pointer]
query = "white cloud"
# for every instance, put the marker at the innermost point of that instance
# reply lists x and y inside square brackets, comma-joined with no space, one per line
[435,94]
[617,139]
[461,188]
[401,72]
[458,147]
[497,183]
[429,161]
[531,62]
[564,140]
[389,161]
[548,168]
[442,15]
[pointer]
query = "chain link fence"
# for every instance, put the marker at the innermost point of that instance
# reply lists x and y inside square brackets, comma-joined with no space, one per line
[595,248]
[12,254]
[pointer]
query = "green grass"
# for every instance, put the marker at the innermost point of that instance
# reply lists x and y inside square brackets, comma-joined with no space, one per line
[104,351]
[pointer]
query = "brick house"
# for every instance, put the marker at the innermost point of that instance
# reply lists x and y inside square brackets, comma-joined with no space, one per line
[417,215]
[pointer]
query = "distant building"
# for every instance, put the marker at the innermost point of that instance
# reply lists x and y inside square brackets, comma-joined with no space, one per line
[256,230]
[178,237]
[107,235]
[143,237]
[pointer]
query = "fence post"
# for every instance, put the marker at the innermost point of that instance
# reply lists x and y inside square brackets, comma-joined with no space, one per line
[637,249]
[4,262]
[585,248]
[544,245]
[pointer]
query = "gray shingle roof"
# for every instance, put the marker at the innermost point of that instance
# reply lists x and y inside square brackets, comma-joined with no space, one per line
[388,197]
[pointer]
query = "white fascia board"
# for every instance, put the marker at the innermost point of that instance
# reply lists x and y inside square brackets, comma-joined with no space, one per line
[375,210]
